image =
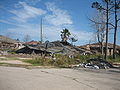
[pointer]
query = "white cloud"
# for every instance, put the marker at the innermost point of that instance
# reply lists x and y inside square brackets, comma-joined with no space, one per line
[32,2]
[51,33]
[5,21]
[14,24]
[26,12]
[82,35]
[20,32]
[58,16]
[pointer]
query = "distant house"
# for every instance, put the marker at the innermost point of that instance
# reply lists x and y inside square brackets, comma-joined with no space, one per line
[8,43]
[32,43]
[96,47]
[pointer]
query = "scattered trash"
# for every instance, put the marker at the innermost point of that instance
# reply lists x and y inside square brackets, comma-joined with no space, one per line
[91,66]
[116,64]
[94,64]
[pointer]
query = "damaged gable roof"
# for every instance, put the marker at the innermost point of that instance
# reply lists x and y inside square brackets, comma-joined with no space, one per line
[58,46]
[51,44]
[52,47]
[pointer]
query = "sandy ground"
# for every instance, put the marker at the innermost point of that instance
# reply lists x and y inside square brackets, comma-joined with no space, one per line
[8,61]
[13,78]
[14,62]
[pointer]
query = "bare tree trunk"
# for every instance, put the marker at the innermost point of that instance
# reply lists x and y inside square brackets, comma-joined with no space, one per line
[102,45]
[106,46]
[115,32]
[102,49]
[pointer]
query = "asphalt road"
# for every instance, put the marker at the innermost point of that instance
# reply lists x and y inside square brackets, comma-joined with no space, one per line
[14,78]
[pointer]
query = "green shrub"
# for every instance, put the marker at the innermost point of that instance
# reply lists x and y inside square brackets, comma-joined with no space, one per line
[62,61]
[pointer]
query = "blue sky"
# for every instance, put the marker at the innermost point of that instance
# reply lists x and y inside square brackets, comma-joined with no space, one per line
[22,17]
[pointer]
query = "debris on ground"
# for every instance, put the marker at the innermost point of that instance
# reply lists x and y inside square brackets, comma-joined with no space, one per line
[116,64]
[94,64]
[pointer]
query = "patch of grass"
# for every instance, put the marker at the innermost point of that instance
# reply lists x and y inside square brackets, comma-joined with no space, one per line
[3,58]
[33,62]
[40,61]
[59,61]
[110,59]
[9,58]
[13,58]
[84,58]
[63,60]
[1,63]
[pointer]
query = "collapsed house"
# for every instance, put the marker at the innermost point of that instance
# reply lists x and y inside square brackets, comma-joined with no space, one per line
[31,50]
[96,47]
[53,47]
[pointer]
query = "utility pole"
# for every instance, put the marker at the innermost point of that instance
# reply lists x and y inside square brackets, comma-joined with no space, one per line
[41,32]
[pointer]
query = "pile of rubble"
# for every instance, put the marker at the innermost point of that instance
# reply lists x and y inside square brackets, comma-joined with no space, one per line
[56,47]
[94,64]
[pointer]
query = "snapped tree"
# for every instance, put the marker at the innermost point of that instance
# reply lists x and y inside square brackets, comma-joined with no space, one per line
[98,23]
[65,34]
[111,6]
[106,10]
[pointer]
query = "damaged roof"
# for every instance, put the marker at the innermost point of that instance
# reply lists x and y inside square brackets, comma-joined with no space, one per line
[59,47]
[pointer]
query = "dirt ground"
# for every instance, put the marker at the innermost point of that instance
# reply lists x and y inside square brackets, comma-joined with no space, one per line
[14,60]
[16,78]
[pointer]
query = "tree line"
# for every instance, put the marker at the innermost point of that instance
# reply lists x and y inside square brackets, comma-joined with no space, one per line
[106,19]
